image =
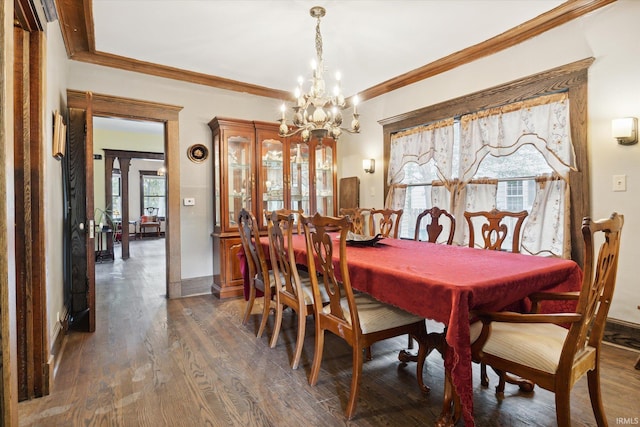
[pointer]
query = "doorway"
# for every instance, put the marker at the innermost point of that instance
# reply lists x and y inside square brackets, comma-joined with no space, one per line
[125,108]
[129,188]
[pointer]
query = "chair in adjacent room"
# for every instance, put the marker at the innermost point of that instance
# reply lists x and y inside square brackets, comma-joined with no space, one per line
[433,227]
[260,276]
[149,221]
[355,317]
[385,222]
[494,231]
[538,346]
[292,286]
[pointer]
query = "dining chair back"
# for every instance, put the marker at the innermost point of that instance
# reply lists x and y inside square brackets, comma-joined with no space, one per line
[494,231]
[357,318]
[357,216]
[260,275]
[385,222]
[433,227]
[297,215]
[292,286]
[538,347]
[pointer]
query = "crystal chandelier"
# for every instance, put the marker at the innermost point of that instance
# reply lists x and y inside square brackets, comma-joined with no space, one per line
[317,114]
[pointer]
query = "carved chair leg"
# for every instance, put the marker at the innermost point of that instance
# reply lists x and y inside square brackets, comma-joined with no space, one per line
[593,378]
[563,406]
[410,343]
[367,353]
[484,378]
[423,352]
[302,320]
[277,325]
[524,384]
[355,382]
[317,357]
[265,316]
[249,305]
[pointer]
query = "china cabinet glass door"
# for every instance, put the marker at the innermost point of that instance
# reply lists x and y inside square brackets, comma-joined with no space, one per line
[239,151]
[299,176]
[272,183]
[324,179]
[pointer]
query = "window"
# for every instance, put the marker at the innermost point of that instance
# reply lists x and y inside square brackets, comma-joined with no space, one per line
[152,194]
[116,195]
[519,189]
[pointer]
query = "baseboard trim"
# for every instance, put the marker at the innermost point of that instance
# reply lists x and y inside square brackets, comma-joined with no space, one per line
[625,334]
[55,354]
[196,286]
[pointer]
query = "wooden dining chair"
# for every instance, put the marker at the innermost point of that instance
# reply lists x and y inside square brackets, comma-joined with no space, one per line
[357,318]
[292,287]
[494,231]
[260,275]
[357,218]
[433,227]
[297,215]
[537,346]
[385,222]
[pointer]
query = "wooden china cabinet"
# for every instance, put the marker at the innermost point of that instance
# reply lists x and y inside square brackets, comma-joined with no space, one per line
[256,169]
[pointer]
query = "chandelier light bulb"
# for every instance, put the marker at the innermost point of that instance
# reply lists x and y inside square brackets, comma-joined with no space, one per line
[317,113]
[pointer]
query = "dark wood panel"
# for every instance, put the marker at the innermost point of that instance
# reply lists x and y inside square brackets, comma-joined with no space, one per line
[75,163]
[349,193]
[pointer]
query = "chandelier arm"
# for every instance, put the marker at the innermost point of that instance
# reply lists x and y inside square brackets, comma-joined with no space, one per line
[317,114]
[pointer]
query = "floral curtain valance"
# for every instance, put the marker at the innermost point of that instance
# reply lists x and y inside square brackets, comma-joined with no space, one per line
[542,122]
[419,145]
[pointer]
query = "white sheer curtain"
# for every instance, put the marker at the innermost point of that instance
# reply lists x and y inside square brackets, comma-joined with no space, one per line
[478,195]
[548,222]
[441,197]
[419,145]
[544,123]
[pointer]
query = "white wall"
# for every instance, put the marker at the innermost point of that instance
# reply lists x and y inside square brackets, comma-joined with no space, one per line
[610,35]
[200,104]
[56,87]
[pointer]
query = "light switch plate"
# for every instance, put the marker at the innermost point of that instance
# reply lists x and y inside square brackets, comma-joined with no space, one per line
[189,201]
[619,183]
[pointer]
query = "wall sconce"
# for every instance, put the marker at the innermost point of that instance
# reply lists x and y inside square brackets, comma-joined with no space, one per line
[369,165]
[625,130]
[162,171]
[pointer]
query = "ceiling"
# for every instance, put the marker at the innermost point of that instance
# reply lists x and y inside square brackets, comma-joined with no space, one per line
[271,43]
[262,46]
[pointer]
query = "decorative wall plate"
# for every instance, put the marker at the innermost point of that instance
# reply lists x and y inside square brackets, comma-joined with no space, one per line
[198,153]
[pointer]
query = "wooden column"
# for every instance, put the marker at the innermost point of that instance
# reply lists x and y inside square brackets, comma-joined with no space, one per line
[108,195]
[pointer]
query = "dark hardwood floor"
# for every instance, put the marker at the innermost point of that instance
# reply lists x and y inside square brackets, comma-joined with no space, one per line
[190,362]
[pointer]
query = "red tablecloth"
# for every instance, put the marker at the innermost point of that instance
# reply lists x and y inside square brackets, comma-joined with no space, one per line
[445,283]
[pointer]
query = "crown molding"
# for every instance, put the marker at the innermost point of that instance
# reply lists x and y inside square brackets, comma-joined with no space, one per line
[76,23]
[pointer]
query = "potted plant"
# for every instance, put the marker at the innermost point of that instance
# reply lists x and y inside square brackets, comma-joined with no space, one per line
[103,219]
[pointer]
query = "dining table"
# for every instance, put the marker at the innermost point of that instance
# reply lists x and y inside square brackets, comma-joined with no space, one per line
[447,283]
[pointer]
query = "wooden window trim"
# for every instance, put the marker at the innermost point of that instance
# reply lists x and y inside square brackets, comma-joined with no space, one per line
[572,78]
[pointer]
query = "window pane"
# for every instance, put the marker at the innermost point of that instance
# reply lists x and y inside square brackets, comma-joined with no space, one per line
[154,191]
[525,162]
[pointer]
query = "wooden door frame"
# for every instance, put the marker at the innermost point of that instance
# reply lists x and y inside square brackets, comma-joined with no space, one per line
[8,353]
[127,108]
